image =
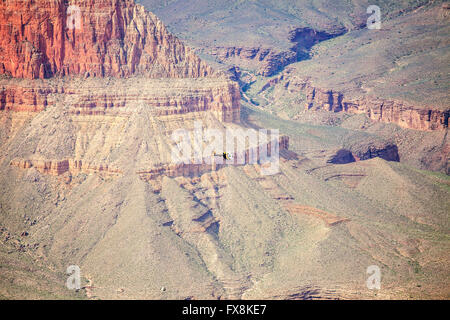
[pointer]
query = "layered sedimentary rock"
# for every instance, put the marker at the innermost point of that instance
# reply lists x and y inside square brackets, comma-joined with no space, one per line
[59,167]
[139,116]
[30,97]
[94,96]
[172,97]
[400,113]
[382,110]
[40,39]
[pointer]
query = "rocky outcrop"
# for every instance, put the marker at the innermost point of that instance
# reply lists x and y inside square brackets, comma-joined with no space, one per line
[59,167]
[329,218]
[265,61]
[381,110]
[41,39]
[32,97]
[365,151]
[362,150]
[305,38]
[397,112]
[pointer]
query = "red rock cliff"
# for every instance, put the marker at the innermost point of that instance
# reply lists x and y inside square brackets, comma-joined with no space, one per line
[44,38]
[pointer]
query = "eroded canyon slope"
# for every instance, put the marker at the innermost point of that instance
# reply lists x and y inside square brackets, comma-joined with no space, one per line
[88,178]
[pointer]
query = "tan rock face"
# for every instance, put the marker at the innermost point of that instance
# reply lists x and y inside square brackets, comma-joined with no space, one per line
[94,96]
[174,97]
[107,38]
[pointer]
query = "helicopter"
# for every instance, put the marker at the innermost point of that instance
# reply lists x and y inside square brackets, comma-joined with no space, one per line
[225,155]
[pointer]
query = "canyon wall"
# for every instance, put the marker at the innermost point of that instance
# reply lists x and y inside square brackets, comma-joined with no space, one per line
[377,109]
[41,39]
[94,96]
[164,98]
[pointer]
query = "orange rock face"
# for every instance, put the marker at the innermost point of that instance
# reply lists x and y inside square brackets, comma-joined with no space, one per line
[41,39]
